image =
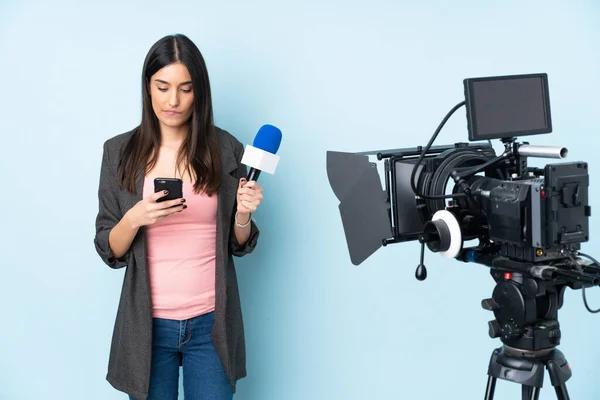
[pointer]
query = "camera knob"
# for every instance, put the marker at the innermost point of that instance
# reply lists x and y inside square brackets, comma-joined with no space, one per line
[490,304]
[495,329]
[511,330]
[554,336]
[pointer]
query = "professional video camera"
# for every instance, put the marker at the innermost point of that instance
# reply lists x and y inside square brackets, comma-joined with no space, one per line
[528,222]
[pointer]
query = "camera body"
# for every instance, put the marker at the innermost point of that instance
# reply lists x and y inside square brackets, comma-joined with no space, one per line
[529,216]
[534,219]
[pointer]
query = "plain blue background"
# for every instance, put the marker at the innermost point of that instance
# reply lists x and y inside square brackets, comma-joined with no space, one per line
[333,75]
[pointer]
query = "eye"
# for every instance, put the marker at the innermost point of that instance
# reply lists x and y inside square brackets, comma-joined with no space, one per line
[162,89]
[186,90]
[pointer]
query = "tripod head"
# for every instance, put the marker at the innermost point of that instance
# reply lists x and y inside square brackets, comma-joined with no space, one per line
[527,297]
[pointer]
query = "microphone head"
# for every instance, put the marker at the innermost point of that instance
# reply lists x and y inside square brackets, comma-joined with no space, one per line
[268,138]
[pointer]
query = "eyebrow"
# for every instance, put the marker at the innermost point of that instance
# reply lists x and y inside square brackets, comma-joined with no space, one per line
[166,83]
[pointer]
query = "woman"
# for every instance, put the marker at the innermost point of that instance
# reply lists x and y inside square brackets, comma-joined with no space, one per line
[179,303]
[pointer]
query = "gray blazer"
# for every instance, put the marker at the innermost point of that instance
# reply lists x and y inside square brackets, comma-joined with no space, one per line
[130,352]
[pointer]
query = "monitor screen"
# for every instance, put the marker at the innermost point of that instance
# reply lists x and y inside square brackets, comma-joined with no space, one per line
[507,106]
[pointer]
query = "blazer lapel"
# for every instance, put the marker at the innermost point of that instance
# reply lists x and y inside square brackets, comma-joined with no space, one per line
[229,185]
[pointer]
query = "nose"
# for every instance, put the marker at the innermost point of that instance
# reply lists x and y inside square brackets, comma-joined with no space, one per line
[174,98]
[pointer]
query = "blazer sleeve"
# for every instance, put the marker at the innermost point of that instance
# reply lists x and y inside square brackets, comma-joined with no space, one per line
[109,213]
[237,249]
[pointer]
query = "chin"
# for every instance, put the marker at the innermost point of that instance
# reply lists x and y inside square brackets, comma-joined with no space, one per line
[172,123]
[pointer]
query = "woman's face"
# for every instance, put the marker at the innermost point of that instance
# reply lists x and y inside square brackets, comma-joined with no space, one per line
[172,95]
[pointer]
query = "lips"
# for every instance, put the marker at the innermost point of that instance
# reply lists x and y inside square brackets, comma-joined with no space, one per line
[171,113]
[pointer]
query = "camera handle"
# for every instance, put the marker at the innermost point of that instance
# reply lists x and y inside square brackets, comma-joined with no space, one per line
[421,272]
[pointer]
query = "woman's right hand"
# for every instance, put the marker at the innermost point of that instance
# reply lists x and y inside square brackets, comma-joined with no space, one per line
[149,211]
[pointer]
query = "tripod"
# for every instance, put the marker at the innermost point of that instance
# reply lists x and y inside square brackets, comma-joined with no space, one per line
[526,322]
[527,369]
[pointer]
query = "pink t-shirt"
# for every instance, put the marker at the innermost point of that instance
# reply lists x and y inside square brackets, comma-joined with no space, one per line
[181,257]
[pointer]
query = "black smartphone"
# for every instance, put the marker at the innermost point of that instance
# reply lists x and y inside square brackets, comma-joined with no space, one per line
[173,185]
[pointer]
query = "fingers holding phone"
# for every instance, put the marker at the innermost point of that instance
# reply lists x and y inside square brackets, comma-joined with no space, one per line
[157,202]
[167,199]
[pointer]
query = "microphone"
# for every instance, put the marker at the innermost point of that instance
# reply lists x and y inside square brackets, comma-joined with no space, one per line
[261,155]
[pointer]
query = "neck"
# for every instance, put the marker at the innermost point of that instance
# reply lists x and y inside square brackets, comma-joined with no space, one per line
[173,136]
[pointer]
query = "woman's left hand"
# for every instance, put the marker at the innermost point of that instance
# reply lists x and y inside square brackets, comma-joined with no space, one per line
[249,196]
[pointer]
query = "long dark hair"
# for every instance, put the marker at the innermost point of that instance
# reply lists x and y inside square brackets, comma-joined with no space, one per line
[200,150]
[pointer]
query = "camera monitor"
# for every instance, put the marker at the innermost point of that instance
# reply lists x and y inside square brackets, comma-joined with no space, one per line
[507,106]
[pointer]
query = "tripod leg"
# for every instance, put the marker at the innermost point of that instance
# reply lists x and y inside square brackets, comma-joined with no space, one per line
[561,392]
[560,372]
[535,393]
[491,386]
[530,392]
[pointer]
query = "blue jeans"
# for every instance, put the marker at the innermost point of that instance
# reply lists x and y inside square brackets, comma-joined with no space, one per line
[203,374]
